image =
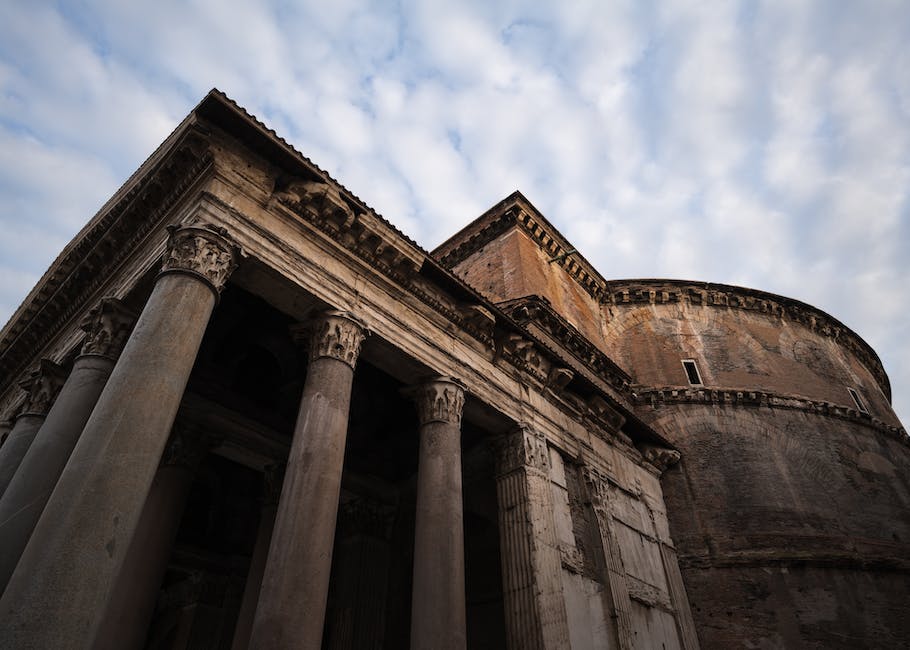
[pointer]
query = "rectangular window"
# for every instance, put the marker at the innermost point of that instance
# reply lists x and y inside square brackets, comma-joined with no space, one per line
[692,372]
[859,402]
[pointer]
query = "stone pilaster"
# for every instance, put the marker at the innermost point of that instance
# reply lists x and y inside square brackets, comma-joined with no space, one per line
[41,387]
[359,597]
[619,604]
[107,326]
[438,619]
[292,601]
[131,605]
[534,604]
[271,492]
[67,572]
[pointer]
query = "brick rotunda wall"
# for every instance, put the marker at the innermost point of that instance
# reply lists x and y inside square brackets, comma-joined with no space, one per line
[790,508]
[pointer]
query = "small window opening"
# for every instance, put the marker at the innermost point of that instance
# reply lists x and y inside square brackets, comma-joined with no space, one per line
[859,402]
[692,372]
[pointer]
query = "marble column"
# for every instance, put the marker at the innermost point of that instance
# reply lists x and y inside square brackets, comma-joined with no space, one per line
[271,491]
[438,620]
[131,605]
[535,608]
[107,327]
[292,601]
[65,575]
[619,604]
[42,386]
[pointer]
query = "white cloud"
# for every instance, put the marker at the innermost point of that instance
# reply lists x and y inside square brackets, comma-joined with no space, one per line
[764,144]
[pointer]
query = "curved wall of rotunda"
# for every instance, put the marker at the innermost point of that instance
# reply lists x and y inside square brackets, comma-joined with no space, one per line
[790,506]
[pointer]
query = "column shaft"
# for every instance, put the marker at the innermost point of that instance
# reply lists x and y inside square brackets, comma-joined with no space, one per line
[244,626]
[42,387]
[534,604]
[131,605]
[31,487]
[292,601]
[66,573]
[438,618]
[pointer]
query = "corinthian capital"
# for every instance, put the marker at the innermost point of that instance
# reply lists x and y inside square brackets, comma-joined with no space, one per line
[42,386]
[201,250]
[521,448]
[333,334]
[107,327]
[439,400]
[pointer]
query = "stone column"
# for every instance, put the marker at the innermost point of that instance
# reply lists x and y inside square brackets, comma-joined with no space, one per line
[65,576]
[42,386]
[291,609]
[271,491]
[360,589]
[535,608]
[107,327]
[438,619]
[131,605]
[620,605]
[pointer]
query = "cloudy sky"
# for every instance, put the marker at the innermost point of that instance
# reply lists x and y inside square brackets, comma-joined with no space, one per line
[765,144]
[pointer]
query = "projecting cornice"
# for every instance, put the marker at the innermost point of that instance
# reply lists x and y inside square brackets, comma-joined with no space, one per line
[516,211]
[102,246]
[657,397]
[620,293]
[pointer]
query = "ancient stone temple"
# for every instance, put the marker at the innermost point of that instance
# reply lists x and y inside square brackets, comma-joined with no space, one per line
[242,410]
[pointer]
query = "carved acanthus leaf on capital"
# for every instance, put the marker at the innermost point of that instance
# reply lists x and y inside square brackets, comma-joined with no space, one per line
[107,327]
[439,400]
[520,448]
[202,250]
[42,386]
[334,335]
[597,488]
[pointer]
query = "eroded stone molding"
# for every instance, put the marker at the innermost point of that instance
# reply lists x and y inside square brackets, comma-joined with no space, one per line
[657,397]
[351,225]
[41,387]
[112,237]
[107,328]
[649,292]
[521,448]
[537,310]
[439,400]
[661,457]
[333,334]
[203,251]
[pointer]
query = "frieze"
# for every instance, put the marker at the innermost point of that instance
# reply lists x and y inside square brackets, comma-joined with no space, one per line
[41,387]
[650,292]
[438,400]
[361,232]
[523,447]
[334,335]
[107,328]
[113,236]
[202,250]
[657,397]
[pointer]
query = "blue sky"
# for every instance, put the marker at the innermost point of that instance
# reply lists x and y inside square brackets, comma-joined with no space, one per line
[765,144]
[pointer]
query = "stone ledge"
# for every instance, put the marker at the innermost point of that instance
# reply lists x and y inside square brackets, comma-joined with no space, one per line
[620,293]
[655,397]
